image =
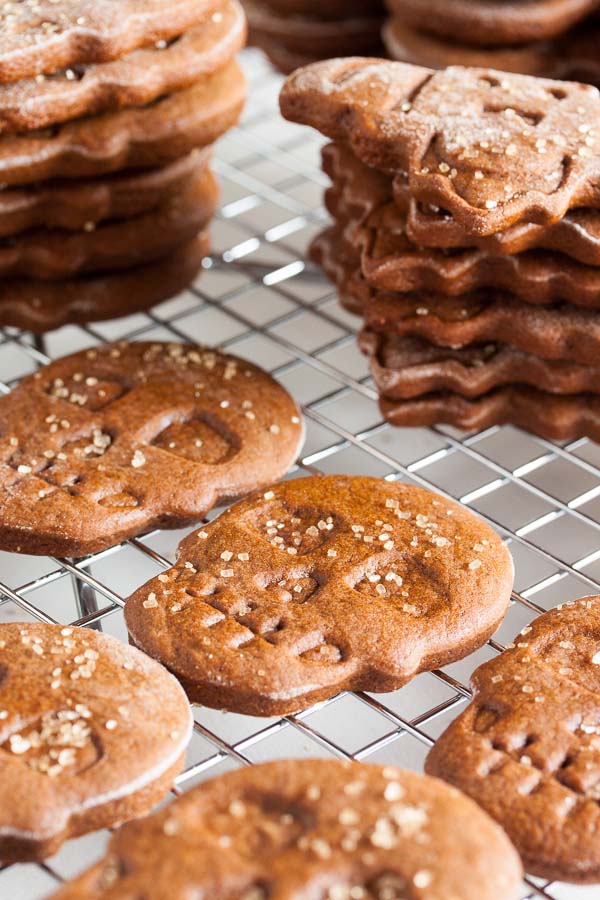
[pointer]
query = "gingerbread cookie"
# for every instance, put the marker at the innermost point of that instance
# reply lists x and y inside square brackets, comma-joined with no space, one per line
[318,828]
[320,585]
[560,331]
[81,205]
[490,149]
[92,733]
[404,368]
[329,12]
[550,416]
[44,36]
[359,191]
[492,22]
[55,255]
[527,747]
[42,306]
[134,80]
[108,443]
[143,137]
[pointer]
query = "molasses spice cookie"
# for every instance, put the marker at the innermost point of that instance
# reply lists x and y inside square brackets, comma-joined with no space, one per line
[92,733]
[491,149]
[322,584]
[309,829]
[527,749]
[110,442]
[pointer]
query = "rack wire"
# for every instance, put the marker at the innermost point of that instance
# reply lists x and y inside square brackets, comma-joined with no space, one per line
[259,297]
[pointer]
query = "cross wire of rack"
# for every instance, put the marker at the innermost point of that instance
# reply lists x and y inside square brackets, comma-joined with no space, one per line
[259,297]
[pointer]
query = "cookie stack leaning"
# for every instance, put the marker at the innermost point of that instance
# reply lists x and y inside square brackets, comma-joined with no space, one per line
[108,111]
[550,38]
[294,33]
[467,227]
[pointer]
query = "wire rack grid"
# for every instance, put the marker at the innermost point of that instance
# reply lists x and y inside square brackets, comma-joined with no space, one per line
[259,298]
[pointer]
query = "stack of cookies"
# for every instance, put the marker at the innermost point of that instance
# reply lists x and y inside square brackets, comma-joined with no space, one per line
[467,235]
[294,33]
[533,37]
[108,110]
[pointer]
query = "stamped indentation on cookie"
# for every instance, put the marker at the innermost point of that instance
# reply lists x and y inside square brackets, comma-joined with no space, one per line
[204,439]
[89,391]
[297,587]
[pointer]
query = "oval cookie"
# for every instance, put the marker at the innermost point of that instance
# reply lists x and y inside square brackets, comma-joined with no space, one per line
[92,733]
[111,442]
[527,749]
[320,585]
[310,828]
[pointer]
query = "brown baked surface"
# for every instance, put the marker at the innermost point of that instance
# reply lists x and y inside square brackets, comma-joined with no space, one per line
[350,584]
[527,747]
[92,733]
[312,828]
[108,443]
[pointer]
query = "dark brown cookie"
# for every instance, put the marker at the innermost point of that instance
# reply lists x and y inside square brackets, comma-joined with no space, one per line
[555,332]
[111,442]
[82,204]
[143,137]
[493,22]
[547,415]
[365,189]
[47,35]
[527,748]
[310,828]
[134,80]
[491,149]
[320,585]
[405,368]
[312,35]
[56,255]
[92,733]
[572,57]
[41,306]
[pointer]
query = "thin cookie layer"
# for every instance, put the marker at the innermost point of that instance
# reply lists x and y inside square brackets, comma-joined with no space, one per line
[405,368]
[320,585]
[494,22]
[134,80]
[143,137]
[365,191]
[56,255]
[560,331]
[42,306]
[45,36]
[108,443]
[81,205]
[491,149]
[527,747]
[92,733]
[312,828]
[550,416]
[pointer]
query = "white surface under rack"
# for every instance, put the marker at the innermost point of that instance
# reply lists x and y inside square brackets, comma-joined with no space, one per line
[259,298]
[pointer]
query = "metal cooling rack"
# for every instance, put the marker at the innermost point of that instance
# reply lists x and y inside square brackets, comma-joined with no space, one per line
[259,298]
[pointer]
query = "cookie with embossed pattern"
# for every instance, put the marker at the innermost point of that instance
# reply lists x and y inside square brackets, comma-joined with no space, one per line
[54,254]
[43,36]
[320,585]
[490,148]
[377,225]
[527,748]
[309,828]
[137,138]
[92,733]
[493,22]
[110,442]
[136,79]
